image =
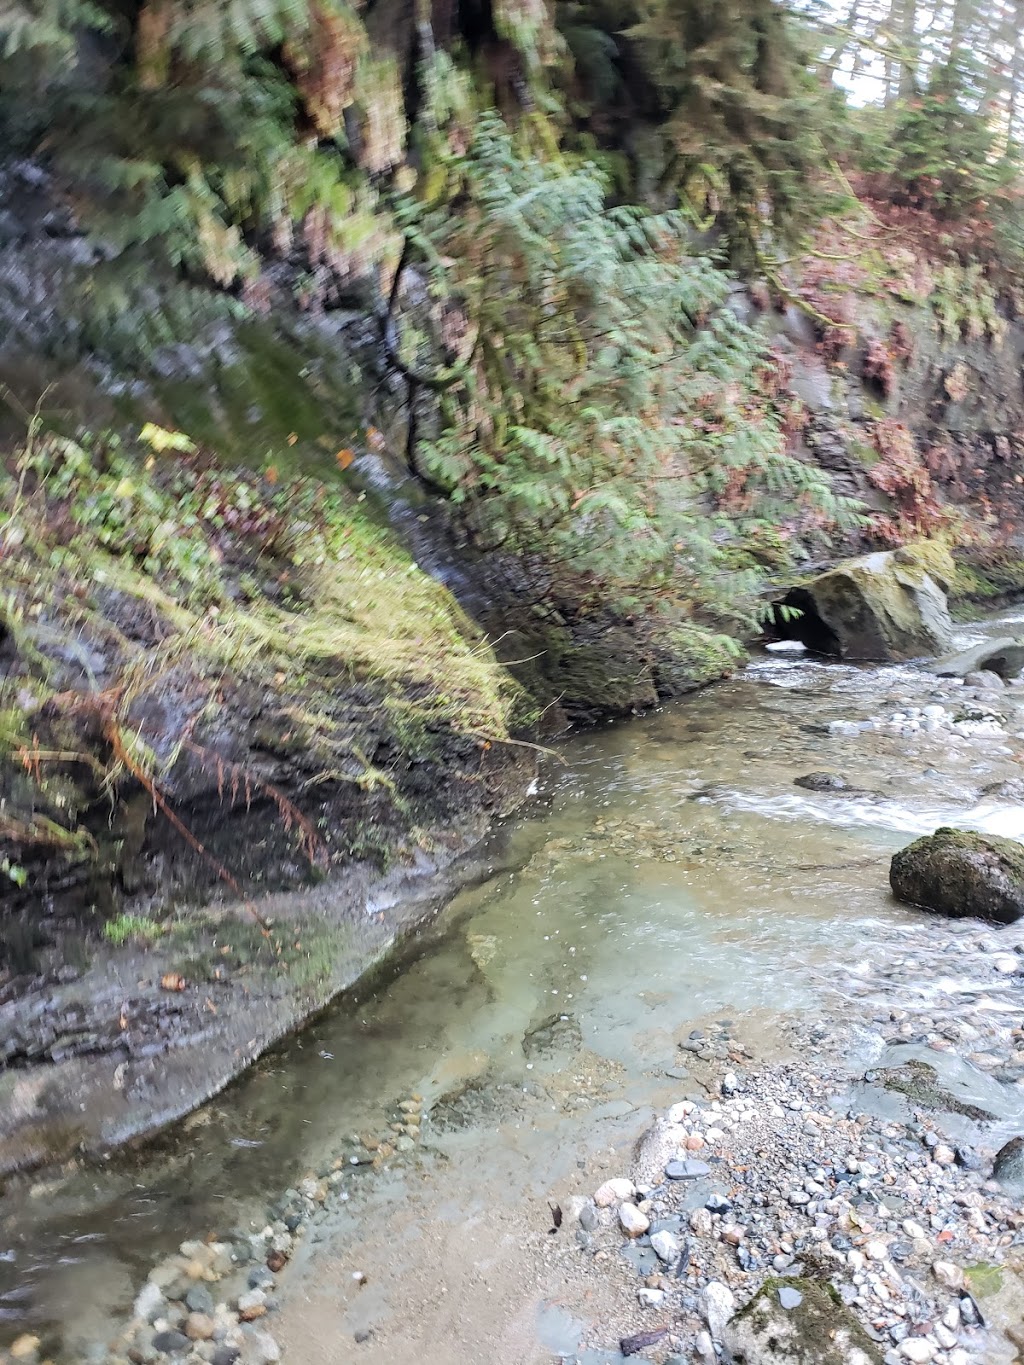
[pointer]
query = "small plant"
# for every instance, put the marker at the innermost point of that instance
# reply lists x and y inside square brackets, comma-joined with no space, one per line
[124,929]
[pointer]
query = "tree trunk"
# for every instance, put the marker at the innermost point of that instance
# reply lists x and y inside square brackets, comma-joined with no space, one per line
[907,31]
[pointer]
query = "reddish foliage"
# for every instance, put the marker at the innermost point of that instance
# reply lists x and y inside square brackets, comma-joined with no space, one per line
[878,366]
[902,473]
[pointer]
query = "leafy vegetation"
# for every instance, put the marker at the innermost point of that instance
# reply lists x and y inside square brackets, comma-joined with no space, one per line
[604,396]
[535,217]
[127,577]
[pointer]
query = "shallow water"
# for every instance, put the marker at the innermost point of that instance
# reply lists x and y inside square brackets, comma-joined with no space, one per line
[670,873]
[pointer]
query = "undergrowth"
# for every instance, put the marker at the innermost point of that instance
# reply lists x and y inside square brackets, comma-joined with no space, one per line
[131,575]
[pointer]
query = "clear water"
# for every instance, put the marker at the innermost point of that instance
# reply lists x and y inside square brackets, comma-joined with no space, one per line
[670,873]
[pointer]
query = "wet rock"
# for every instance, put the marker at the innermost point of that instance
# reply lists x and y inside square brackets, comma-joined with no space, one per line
[686,1170]
[886,605]
[631,1346]
[984,681]
[959,873]
[822,782]
[1008,1167]
[199,1326]
[815,1330]
[149,1302]
[1010,790]
[261,1349]
[199,1299]
[167,1343]
[1003,657]
[25,1350]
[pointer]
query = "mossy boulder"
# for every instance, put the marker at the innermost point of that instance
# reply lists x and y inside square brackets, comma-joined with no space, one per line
[798,1321]
[884,606]
[959,873]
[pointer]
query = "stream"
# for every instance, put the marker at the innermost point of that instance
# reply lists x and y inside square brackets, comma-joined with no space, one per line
[669,876]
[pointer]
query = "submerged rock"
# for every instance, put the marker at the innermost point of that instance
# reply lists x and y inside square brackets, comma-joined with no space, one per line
[798,1322]
[822,782]
[1004,656]
[887,605]
[960,873]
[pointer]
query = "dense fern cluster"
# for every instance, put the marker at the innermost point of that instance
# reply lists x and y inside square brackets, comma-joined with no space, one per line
[599,391]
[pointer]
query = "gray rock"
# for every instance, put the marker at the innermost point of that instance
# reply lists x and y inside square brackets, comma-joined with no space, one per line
[959,873]
[686,1170]
[1003,656]
[886,605]
[822,782]
[984,680]
[199,1299]
[666,1247]
[789,1297]
[225,1355]
[1008,1167]
[261,1349]
[150,1302]
[167,1343]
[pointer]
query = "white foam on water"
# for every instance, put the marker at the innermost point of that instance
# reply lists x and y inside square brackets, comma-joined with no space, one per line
[986,818]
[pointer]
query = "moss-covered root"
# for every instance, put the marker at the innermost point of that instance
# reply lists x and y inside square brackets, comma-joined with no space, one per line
[957,872]
[798,1321]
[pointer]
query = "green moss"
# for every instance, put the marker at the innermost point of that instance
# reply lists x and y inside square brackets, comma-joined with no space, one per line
[818,1330]
[690,656]
[988,576]
[282,402]
[123,929]
[286,586]
[958,872]
[919,1083]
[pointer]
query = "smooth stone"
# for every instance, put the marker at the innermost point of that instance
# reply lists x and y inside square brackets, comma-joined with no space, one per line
[613,1192]
[790,1297]
[686,1170]
[666,1247]
[1008,1167]
[167,1343]
[199,1299]
[633,1222]
[719,1304]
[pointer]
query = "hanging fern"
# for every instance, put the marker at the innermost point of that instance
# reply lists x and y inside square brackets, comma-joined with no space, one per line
[610,404]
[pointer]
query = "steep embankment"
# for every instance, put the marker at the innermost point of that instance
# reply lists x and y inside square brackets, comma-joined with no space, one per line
[225,678]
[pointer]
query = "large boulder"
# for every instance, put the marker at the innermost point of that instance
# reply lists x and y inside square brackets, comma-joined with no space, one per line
[1003,656]
[959,873]
[798,1322]
[888,605]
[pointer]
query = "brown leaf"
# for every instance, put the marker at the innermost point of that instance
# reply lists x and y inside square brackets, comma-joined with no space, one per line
[172,981]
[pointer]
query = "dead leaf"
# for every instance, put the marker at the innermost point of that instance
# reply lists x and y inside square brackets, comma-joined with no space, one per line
[344,457]
[172,981]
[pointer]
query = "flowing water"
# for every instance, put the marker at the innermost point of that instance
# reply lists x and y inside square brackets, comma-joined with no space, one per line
[669,874]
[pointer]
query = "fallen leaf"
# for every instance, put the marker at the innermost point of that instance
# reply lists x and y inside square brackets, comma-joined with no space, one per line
[344,457]
[293,436]
[270,473]
[172,981]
